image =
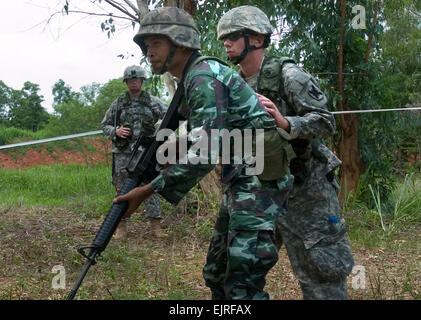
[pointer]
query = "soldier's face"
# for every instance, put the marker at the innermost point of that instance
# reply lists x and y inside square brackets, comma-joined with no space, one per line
[134,84]
[234,45]
[158,50]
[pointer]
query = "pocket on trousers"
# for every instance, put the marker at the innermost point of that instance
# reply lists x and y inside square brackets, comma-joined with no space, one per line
[330,259]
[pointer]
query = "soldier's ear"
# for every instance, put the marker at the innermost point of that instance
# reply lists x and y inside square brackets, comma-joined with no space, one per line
[257,40]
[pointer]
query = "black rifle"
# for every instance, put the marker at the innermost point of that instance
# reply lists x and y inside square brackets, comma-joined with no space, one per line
[142,167]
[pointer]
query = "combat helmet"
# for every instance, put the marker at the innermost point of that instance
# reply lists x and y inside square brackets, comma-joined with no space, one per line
[172,22]
[245,20]
[134,72]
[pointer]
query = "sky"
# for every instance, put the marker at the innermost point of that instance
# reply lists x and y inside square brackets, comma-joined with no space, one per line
[69,47]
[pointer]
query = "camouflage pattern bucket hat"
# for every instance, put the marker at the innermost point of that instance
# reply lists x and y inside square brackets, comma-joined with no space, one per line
[244,18]
[134,72]
[172,22]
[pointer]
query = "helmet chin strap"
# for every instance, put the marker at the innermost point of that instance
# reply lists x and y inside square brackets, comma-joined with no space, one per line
[167,61]
[247,49]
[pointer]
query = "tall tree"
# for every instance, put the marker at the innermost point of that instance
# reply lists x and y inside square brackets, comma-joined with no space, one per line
[26,111]
[62,93]
[5,93]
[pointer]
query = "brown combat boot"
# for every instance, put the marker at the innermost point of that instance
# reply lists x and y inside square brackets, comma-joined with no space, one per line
[156,230]
[121,231]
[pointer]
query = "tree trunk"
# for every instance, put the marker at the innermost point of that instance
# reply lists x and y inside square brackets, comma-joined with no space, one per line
[348,150]
[349,153]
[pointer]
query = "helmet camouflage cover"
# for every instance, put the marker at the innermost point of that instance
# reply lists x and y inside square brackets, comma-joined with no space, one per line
[172,22]
[134,72]
[242,18]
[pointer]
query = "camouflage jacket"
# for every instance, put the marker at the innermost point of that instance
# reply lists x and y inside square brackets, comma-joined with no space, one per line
[216,97]
[300,100]
[140,114]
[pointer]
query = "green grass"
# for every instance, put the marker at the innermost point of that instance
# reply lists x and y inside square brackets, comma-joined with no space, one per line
[13,135]
[377,226]
[57,185]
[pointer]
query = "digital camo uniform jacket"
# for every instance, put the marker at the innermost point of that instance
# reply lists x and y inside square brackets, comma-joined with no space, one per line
[242,249]
[313,230]
[140,115]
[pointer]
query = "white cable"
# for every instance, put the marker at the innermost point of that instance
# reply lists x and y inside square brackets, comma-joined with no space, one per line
[375,110]
[27,143]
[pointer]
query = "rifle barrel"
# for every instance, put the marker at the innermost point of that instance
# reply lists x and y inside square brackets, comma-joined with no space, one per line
[86,267]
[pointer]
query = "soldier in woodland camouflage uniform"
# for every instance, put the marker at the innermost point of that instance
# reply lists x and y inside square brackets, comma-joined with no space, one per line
[130,115]
[312,230]
[242,248]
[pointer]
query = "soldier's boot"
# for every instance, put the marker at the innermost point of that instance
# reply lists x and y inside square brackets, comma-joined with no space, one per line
[156,229]
[121,231]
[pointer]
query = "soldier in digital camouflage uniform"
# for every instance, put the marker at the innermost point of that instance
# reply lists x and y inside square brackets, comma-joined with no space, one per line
[133,113]
[312,230]
[242,249]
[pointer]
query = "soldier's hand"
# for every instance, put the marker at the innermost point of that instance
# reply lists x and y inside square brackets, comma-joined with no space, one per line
[273,110]
[123,132]
[135,197]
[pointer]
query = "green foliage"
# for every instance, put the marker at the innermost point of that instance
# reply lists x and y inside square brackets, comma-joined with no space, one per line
[401,52]
[62,93]
[81,112]
[5,93]
[22,108]
[107,94]
[384,220]
[12,134]
[108,26]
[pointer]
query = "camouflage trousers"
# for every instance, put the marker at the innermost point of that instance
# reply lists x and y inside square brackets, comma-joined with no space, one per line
[314,234]
[243,248]
[152,204]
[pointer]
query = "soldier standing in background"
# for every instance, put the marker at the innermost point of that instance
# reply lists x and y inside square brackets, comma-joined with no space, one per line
[312,230]
[133,114]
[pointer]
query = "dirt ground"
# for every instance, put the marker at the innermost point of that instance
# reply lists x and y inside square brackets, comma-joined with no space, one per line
[33,240]
[24,157]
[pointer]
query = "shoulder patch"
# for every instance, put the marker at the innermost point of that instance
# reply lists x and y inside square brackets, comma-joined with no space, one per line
[314,92]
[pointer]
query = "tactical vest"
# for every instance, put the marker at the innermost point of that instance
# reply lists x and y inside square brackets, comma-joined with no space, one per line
[277,151]
[124,101]
[270,83]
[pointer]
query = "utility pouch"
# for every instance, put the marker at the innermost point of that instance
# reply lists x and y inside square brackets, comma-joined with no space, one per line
[277,154]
